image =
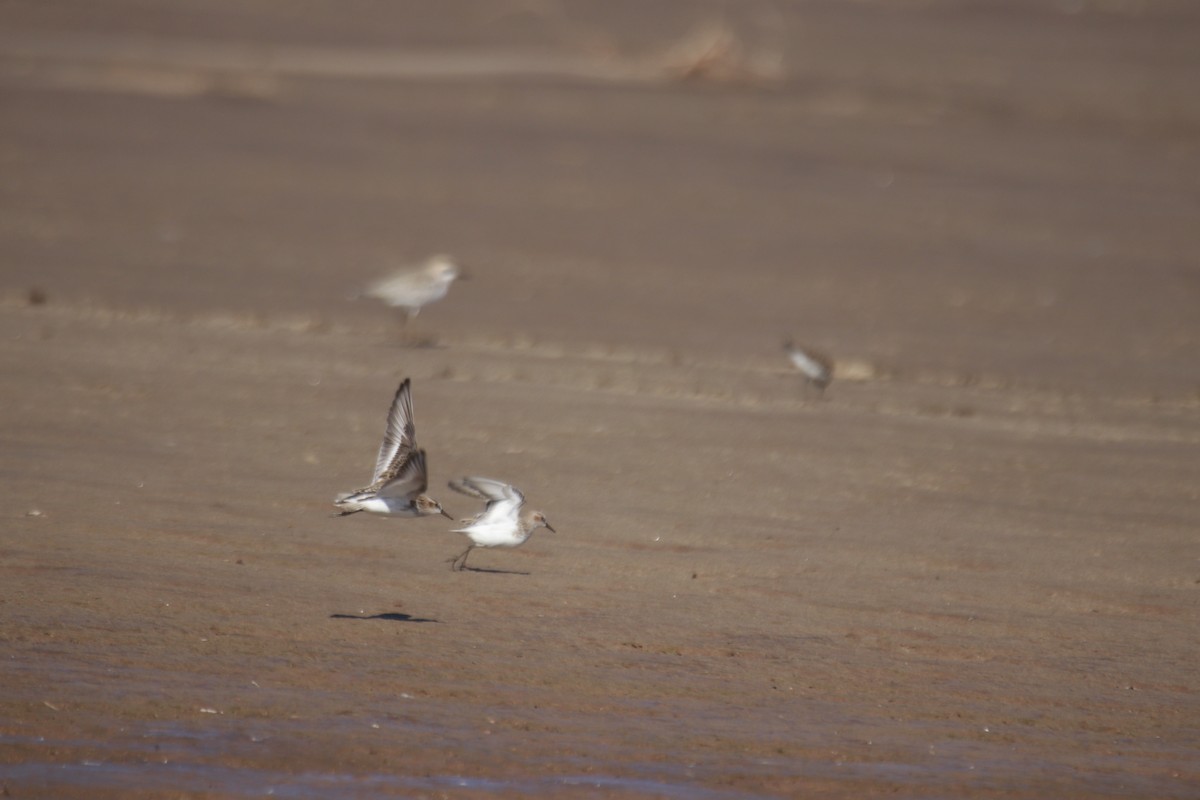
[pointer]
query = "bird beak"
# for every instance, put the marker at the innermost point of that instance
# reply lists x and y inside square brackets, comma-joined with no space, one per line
[445,514]
[550,528]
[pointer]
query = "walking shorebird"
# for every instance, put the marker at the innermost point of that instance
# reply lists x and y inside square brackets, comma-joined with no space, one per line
[501,523]
[398,485]
[411,289]
[816,368]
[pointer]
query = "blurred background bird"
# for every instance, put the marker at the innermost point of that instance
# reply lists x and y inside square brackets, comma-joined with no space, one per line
[412,289]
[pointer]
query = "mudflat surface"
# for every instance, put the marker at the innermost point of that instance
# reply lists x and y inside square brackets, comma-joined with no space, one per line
[971,569]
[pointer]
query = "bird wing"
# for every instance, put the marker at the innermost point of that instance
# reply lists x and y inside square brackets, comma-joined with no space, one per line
[400,436]
[488,489]
[409,479]
[503,500]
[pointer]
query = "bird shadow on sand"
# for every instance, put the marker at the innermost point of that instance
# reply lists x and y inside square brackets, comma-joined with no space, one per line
[391,616]
[492,571]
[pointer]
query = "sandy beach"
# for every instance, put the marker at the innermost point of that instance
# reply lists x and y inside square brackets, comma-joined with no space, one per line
[971,568]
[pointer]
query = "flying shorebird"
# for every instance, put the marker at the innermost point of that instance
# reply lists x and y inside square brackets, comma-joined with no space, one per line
[817,368]
[501,523]
[413,288]
[398,485]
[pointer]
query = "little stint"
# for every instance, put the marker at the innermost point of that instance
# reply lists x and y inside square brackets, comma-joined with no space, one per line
[501,523]
[398,485]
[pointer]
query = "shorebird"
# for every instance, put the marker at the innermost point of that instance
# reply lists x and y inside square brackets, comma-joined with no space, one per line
[411,289]
[816,368]
[398,485]
[501,523]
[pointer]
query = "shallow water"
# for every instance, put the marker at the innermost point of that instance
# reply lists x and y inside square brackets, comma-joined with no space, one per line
[246,782]
[172,757]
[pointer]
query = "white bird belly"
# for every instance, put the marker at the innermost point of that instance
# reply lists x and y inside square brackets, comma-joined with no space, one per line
[391,507]
[809,366]
[409,293]
[494,535]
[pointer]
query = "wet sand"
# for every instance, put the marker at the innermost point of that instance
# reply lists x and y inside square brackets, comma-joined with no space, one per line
[970,569]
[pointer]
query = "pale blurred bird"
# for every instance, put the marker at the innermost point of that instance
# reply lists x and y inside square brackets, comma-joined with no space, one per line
[816,367]
[502,523]
[412,289]
[398,485]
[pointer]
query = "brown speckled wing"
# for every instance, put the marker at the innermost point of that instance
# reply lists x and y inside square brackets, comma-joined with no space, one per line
[399,438]
[409,479]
